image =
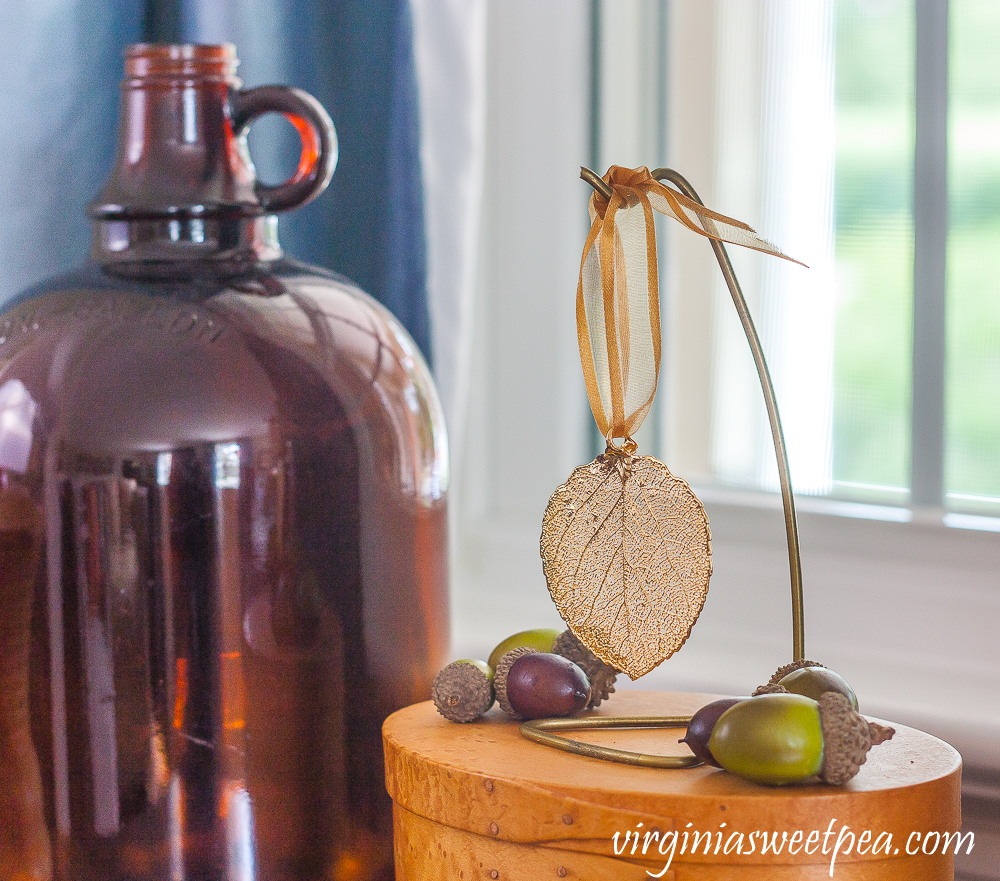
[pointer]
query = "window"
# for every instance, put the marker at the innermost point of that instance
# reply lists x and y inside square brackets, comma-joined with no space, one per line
[904,610]
[851,135]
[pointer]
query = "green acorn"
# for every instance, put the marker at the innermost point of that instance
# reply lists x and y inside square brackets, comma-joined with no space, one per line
[816,680]
[541,639]
[809,678]
[778,739]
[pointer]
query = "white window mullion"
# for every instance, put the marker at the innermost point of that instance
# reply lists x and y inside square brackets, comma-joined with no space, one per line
[930,233]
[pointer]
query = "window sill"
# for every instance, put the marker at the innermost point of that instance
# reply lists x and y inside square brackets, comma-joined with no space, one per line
[725,495]
[906,611]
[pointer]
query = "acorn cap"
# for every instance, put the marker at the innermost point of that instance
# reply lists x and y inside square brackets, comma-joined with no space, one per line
[462,692]
[847,737]
[500,677]
[782,672]
[769,689]
[601,675]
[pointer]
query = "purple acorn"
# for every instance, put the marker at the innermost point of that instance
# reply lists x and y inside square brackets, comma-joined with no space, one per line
[700,727]
[540,685]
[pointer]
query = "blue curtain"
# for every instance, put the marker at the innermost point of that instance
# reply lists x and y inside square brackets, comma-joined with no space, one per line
[62,63]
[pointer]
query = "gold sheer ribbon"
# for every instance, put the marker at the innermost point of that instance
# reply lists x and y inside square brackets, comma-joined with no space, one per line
[617,299]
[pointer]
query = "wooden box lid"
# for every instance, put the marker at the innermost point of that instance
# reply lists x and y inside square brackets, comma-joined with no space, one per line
[518,809]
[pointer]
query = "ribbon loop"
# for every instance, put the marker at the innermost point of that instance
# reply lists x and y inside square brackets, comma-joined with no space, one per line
[618,302]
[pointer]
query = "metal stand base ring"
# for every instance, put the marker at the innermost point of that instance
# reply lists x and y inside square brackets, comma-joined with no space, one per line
[540,731]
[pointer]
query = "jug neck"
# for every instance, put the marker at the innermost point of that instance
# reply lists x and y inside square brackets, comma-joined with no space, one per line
[183,185]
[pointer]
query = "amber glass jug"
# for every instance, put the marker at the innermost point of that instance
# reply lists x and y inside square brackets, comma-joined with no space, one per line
[223,477]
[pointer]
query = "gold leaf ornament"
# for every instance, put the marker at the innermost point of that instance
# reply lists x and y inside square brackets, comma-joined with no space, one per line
[625,545]
[626,551]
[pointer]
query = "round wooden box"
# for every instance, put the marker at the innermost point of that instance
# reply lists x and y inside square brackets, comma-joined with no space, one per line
[478,801]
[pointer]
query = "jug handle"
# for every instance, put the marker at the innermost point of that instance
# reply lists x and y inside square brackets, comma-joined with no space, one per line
[319,142]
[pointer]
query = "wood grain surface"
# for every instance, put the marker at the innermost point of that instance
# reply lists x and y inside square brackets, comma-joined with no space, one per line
[476,799]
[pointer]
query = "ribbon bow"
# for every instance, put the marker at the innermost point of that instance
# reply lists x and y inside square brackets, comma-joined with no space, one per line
[617,298]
